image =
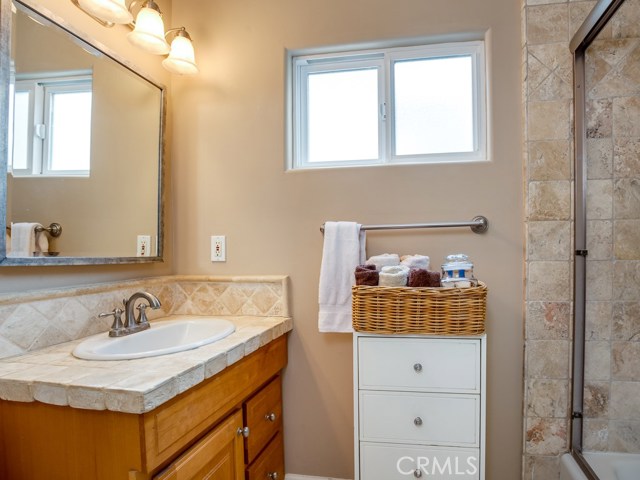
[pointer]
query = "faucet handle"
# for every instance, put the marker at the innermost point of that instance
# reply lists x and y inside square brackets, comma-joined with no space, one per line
[142,316]
[117,319]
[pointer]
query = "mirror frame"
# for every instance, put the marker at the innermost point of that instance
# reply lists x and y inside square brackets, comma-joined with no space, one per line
[5,59]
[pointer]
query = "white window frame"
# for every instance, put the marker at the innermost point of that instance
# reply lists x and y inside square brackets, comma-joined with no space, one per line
[302,65]
[42,88]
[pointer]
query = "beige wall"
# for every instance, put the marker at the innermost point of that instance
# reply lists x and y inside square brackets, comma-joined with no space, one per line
[21,278]
[229,178]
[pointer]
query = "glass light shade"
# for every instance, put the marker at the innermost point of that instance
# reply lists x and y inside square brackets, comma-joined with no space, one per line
[181,59]
[114,11]
[149,32]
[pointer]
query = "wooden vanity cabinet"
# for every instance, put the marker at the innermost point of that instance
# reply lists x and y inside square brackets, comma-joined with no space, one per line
[196,435]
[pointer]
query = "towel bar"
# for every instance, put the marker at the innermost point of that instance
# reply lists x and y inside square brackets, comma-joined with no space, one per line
[55,229]
[478,224]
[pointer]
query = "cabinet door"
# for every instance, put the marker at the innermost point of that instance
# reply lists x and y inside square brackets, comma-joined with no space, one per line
[218,456]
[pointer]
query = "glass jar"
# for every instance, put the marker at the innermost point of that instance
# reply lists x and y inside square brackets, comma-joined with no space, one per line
[457,272]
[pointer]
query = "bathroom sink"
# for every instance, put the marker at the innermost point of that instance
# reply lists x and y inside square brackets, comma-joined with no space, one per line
[182,332]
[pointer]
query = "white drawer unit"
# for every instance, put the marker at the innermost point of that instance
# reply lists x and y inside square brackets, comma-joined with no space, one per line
[419,406]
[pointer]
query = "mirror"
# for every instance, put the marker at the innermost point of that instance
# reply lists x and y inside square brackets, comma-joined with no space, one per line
[84,148]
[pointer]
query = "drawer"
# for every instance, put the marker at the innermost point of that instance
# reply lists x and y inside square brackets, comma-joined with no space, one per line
[425,418]
[263,416]
[419,364]
[270,463]
[400,462]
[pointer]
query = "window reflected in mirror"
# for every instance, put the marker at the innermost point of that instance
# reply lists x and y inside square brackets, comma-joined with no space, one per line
[51,127]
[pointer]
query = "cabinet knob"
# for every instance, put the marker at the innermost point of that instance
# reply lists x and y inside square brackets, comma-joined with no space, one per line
[417,367]
[417,473]
[417,421]
[271,417]
[273,475]
[243,431]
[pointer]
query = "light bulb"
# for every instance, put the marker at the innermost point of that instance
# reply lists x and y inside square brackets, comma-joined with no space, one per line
[114,11]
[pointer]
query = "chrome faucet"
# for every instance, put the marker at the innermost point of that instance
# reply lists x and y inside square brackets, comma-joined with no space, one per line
[131,323]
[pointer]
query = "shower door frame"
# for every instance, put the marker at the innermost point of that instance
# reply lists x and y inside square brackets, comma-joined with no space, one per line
[594,23]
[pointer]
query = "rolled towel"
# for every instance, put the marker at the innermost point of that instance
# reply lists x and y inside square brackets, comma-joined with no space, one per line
[384,260]
[418,277]
[360,268]
[415,261]
[393,276]
[434,279]
[367,275]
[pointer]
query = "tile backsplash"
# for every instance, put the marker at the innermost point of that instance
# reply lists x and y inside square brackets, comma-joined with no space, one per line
[40,319]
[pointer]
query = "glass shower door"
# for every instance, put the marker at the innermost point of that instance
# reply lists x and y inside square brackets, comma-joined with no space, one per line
[611,390]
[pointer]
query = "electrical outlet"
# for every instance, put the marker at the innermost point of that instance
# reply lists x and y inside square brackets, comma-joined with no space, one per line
[143,248]
[218,248]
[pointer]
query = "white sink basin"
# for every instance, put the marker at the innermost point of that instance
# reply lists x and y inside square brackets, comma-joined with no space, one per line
[182,332]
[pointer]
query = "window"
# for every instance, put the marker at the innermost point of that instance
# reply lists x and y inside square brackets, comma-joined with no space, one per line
[51,130]
[389,106]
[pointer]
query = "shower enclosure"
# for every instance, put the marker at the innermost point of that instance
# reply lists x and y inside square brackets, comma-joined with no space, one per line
[605,439]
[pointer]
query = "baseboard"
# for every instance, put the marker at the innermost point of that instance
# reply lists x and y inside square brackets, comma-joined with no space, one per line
[291,476]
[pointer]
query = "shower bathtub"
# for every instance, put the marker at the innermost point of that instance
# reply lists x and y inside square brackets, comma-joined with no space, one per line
[607,465]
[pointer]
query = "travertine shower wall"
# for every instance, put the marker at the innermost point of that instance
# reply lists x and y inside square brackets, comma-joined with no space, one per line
[548,134]
[613,281]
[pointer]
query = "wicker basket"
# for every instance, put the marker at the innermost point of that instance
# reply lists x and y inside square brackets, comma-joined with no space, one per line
[433,311]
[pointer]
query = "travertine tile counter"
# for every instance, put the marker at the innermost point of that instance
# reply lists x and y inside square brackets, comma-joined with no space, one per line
[53,375]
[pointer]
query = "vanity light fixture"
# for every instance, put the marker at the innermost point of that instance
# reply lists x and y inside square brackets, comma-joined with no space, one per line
[147,30]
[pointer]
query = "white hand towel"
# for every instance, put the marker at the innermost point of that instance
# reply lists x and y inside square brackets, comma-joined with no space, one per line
[394,276]
[415,261]
[343,251]
[23,239]
[42,242]
[384,260]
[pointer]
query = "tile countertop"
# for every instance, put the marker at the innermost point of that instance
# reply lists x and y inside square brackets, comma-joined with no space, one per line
[53,375]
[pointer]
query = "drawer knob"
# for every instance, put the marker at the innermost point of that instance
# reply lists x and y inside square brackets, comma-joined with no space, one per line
[417,473]
[417,367]
[417,421]
[243,431]
[271,417]
[273,475]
